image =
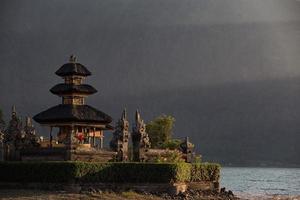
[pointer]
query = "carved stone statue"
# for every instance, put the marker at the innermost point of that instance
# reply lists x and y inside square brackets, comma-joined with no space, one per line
[140,139]
[119,142]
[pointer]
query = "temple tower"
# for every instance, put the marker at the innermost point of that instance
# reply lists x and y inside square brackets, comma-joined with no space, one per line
[140,139]
[119,142]
[13,133]
[13,137]
[78,123]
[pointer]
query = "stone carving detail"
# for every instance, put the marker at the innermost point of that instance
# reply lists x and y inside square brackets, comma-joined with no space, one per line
[140,139]
[119,142]
[29,134]
[188,149]
[1,136]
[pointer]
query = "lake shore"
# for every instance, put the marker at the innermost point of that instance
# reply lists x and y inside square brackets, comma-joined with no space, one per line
[128,195]
[93,195]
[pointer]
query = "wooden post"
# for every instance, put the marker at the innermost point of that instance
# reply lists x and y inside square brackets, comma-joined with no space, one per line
[50,137]
[94,140]
[101,143]
[101,139]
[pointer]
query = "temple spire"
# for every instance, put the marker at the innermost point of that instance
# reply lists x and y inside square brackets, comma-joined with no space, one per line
[13,111]
[28,122]
[124,114]
[72,59]
[137,116]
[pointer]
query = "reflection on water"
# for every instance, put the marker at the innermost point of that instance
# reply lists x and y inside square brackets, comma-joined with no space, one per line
[261,181]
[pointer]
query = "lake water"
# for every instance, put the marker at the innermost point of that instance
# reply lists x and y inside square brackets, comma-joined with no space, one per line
[247,182]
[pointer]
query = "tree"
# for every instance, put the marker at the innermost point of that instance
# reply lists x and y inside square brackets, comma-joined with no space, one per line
[160,130]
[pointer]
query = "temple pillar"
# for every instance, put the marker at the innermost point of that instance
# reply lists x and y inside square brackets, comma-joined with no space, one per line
[50,137]
[101,142]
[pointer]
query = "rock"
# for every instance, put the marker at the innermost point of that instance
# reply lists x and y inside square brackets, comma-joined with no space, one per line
[223,190]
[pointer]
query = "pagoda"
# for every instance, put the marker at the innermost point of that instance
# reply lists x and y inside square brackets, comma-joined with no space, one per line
[78,123]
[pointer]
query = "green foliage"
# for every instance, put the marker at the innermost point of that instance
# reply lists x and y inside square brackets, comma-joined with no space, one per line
[198,159]
[171,144]
[169,157]
[131,172]
[57,172]
[89,172]
[205,172]
[160,130]
[37,172]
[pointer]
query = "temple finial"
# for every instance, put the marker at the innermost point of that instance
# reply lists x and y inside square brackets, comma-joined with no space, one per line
[13,111]
[72,59]
[124,114]
[28,121]
[137,116]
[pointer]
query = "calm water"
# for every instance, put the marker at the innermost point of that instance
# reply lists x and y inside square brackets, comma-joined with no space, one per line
[261,181]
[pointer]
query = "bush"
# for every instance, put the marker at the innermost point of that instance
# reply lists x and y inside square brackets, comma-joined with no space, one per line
[37,171]
[174,156]
[134,172]
[89,172]
[171,144]
[205,172]
[55,172]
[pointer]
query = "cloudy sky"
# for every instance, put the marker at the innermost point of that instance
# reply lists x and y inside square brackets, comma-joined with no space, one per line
[217,66]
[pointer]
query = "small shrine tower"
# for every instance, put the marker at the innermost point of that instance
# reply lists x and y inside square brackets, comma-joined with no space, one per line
[78,123]
[120,140]
[140,139]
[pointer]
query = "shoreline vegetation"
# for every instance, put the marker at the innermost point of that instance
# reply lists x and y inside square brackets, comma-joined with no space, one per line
[110,172]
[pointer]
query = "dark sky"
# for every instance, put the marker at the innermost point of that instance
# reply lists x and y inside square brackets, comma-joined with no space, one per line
[224,69]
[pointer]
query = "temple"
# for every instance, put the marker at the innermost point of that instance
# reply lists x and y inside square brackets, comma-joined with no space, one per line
[80,129]
[79,124]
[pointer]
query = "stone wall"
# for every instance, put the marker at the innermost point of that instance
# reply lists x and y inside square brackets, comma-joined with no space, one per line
[60,154]
[92,156]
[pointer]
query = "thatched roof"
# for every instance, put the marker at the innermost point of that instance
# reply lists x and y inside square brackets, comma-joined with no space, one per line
[73,68]
[70,88]
[65,113]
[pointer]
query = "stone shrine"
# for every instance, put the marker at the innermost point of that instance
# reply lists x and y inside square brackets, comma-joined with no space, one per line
[120,140]
[140,139]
